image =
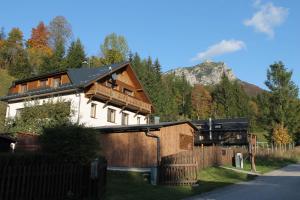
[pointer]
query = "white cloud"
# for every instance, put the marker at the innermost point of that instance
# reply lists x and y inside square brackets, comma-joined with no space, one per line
[267,18]
[223,47]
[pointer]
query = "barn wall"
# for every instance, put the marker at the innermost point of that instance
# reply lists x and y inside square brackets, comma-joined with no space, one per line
[135,149]
[132,149]
[170,138]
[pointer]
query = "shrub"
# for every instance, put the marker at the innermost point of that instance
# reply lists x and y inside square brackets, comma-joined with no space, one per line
[33,118]
[71,143]
[281,135]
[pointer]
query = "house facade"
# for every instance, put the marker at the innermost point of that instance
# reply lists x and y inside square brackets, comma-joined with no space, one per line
[104,96]
[233,131]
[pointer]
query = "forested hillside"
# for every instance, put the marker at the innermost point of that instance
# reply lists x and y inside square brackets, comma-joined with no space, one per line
[5,82]
[51,47]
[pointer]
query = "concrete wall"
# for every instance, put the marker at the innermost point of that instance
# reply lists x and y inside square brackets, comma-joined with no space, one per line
[81,110]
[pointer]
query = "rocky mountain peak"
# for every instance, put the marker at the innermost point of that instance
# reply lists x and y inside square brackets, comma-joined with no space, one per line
[206,73]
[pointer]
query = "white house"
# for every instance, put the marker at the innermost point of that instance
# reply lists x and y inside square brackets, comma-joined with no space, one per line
[104,96]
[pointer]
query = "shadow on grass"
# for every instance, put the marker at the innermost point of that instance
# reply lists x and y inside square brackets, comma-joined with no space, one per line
[131,185]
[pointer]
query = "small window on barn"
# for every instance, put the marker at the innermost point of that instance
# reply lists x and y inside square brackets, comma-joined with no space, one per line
[125,117]
[220,137]
[111,115]
[56,82]
[238,136]
[23,88]
[138,120]
[43,83]
[186,142]
[93,110]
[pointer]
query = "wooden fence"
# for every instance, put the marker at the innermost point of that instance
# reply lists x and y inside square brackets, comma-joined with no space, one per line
[51,181]
[182,168]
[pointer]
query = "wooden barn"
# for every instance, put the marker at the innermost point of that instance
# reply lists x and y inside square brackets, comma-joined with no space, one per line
[142,146]
[222,131]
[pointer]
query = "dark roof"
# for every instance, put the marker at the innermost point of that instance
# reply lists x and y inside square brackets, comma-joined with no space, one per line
[80,78]
[223,124]
[140,127]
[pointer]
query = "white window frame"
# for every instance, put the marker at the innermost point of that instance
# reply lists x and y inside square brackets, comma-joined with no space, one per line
[124,118]
[111,115]
[93,110]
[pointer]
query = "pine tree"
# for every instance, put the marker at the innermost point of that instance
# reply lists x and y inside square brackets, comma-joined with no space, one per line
[201,102]
[284,103]
[76,55]
[15,56]
[230,100]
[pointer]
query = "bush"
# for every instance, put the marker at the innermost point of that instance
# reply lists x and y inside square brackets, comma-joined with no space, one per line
[33,118]
[71,143]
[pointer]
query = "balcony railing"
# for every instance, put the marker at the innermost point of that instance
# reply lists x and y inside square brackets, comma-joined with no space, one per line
[120,98]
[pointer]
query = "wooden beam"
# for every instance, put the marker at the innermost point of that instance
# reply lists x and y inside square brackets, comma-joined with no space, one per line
[122,109]
[106,103]
[90,99]
[137,113]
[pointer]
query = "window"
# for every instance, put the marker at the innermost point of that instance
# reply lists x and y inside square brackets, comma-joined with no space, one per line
[220,137]
[93,110]
[56,82]
[109,84]
[125,118]
[138,119]
[111,115]
[18,112]
[238,137]
[23,88]
[127,91]
[201,137]
[43,83]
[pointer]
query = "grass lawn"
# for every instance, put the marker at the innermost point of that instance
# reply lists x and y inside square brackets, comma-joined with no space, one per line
[266,164]
[123,185]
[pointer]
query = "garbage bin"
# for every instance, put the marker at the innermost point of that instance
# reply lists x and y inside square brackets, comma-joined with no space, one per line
[239,160]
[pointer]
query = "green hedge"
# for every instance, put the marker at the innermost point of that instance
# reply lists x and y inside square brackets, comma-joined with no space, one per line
[71,143]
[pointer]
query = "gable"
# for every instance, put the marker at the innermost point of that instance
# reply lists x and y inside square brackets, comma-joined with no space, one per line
[126,80]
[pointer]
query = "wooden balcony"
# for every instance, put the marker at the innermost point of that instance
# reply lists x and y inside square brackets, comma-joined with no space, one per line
[116,97]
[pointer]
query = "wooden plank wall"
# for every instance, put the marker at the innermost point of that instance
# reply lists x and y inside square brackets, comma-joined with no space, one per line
[170,138]
[135,149]
[132,149]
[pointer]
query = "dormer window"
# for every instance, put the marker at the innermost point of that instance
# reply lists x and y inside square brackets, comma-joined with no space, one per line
[56,82]
[23,88]
[127,91]
[43,83]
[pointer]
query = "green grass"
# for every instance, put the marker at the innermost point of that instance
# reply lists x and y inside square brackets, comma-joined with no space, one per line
[266,164]
[122,185]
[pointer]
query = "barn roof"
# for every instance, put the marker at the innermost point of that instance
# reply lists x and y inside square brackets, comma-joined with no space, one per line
[140,127]
[80,78]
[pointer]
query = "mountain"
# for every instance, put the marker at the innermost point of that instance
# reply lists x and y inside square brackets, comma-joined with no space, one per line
[210,73]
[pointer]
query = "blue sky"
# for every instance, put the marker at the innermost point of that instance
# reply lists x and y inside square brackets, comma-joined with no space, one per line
[246,35]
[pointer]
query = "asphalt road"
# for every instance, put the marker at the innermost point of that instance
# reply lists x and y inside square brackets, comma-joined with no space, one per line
[280,184]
